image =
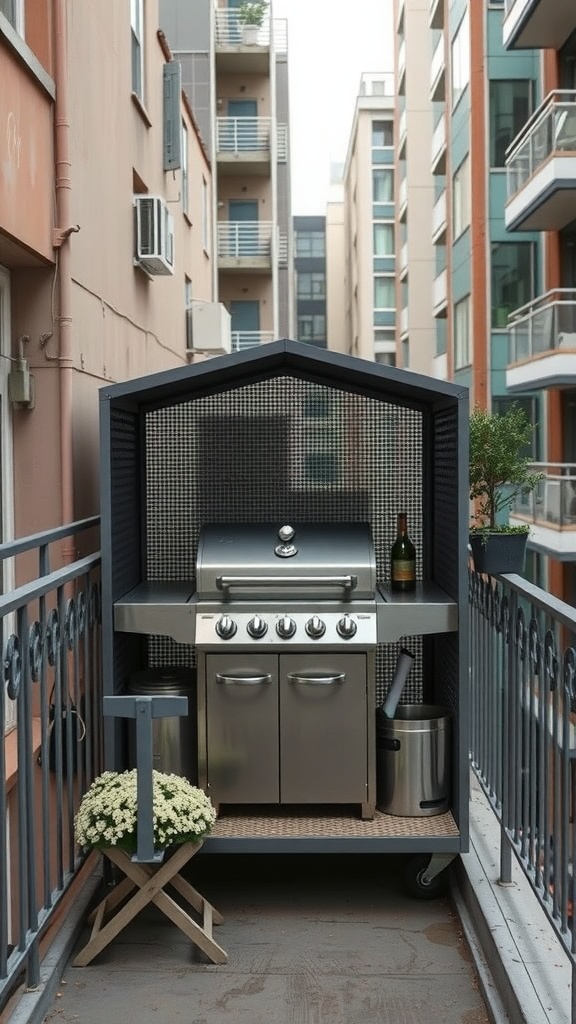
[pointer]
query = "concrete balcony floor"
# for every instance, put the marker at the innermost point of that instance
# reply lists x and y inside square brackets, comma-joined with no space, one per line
[328,939]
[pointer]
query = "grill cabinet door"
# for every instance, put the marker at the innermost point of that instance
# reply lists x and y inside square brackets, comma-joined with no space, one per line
[323,728]
[242,728]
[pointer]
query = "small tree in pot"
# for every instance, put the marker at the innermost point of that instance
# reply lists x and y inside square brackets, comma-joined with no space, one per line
[251,16]
[499,472]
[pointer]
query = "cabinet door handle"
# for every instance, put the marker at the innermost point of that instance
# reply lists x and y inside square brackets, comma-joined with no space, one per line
[317,680]
[243,680]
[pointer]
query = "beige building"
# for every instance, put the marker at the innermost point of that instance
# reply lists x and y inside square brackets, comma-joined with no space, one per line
[365,224]
[236,79]
[106,237]
[420,195]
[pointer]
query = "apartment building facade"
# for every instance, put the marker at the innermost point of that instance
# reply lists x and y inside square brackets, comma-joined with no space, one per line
[540,197]
[310,280]
[239,88]
[364,224]
[105,234]
[420,196]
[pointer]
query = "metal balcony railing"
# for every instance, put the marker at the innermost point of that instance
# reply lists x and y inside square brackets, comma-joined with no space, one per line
[553,501]
[550,130]
[245,239]
[523,714]
[229,30]
[52,740]
[243,134]
[545,324]
[242,340]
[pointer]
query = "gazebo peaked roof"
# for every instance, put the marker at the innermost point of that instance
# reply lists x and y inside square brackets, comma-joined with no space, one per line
[332,369]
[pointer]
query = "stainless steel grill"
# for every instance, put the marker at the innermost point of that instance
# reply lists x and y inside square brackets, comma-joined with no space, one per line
[286,629]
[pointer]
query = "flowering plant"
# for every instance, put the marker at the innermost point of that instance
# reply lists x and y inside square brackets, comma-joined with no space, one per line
[107,815]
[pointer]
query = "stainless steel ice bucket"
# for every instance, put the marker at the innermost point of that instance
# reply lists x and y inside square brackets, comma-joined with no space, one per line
[414,760]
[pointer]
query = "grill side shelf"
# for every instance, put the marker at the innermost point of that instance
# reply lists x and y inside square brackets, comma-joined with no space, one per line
[427,609]
[159,607]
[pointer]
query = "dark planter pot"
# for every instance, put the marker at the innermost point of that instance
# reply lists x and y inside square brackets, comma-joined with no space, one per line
[497,553]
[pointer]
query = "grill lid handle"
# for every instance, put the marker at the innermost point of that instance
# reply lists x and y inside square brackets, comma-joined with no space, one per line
[226,583]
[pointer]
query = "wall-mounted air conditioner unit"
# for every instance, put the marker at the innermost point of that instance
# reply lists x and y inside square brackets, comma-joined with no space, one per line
[208,328]
[154,235]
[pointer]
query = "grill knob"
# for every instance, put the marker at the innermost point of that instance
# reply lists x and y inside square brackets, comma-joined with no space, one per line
[346,627]
[315,627]
[257,627]
[285,627]
[225,627]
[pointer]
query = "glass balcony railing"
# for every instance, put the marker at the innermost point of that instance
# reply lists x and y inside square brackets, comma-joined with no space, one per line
[553,502]
[550,131]
[548,323]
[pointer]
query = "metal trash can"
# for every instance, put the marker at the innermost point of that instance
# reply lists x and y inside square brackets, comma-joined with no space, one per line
[413,761]
[174,740]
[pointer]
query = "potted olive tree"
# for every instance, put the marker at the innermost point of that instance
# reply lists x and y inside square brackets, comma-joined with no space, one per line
[499,471]
[251,16]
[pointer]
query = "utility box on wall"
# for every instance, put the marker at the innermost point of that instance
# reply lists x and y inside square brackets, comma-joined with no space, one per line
[289,433]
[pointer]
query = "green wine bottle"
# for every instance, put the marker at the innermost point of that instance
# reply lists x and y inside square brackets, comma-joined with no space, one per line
[402,558]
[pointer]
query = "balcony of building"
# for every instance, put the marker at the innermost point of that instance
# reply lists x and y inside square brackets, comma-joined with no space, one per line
[542,343]
[439,221]
[537,24]
[403,262]
[436,14]
[550,510]
[237,48]
[438,154]
[250,339]
[440,295]
[244,145]
[403,199]
[247,246]
[403,323]
[402,120]
[438,72]
[511,894]
[541,167]
[401,69]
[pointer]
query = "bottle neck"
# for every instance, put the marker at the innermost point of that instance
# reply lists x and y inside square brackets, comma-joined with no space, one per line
[402,524]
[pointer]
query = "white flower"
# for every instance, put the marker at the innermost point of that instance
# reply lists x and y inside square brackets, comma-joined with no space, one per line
[107,815]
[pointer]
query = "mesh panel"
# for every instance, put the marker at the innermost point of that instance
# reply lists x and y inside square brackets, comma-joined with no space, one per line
[445,499]
[125,500]
[277,451]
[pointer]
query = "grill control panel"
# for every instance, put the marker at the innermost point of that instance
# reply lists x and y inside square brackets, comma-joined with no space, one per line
[237,627]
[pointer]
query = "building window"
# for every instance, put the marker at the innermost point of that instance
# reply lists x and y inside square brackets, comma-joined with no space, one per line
[137,27]
[322,467]
[185,205]
[312,327]
[311,286]
[382,134]
[310,243]
[382,185]
[461,198]
[384,239]
[510,108]
[13,10]
[384,292]
[317,406]
[461,59]
[513,278]
[529,406]
[462,348]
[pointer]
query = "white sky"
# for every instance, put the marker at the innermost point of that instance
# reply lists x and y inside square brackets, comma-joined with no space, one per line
[329,46]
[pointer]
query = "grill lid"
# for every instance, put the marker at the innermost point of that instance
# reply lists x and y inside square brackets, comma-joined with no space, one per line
[300,561]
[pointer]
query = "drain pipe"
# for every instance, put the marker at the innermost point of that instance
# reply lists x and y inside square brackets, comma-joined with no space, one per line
[61,243]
